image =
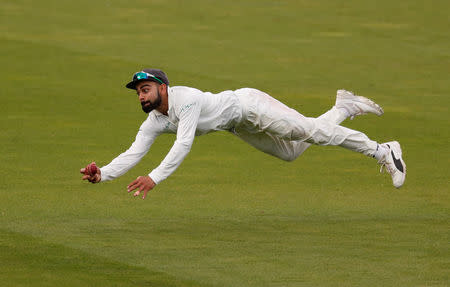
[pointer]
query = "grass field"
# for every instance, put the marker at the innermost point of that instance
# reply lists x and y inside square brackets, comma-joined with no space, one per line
[230,215]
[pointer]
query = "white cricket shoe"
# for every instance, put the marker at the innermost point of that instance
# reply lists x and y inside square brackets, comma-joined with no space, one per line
[356,105]
[394,163]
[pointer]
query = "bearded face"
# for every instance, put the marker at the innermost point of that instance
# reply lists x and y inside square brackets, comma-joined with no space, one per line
[148,106]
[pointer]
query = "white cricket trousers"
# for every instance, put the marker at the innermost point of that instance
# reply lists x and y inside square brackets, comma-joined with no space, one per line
[274,128]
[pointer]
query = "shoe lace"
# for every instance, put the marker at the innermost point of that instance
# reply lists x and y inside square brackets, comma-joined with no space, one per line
[389,168]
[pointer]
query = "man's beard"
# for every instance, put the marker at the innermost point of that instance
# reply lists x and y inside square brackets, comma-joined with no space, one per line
[148,106]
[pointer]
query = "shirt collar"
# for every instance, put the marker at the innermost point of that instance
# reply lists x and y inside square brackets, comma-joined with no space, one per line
[157,113]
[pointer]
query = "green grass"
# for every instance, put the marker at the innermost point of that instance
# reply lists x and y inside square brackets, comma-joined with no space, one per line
[230,215]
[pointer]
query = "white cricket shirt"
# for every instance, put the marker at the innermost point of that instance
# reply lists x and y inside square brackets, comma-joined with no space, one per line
[191,113]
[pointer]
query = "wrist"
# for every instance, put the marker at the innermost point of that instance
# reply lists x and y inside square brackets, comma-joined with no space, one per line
[153,176]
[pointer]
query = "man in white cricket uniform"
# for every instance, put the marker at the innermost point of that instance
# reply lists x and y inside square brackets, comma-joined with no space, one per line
[252,115]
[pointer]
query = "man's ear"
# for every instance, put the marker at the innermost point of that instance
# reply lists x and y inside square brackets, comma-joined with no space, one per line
[162,88]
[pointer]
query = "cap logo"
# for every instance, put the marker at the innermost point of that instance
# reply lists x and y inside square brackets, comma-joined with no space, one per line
[143,76]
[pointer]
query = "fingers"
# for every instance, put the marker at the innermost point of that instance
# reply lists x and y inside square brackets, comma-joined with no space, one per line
[144,190]
[133,185]
[145,194]
[89,176]
[143,184]
[141,188]
[94,178]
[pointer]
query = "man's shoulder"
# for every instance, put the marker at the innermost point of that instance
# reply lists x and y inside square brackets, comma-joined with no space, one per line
[183,90]
[182,95]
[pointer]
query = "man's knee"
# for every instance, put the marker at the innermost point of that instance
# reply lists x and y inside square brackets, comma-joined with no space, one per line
[297,130]
[289,157]
[288,150]
[282,155]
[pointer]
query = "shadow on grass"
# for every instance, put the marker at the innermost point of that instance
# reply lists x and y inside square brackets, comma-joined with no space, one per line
[29,261]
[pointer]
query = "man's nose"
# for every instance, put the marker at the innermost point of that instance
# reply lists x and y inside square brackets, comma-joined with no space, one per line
[141,97]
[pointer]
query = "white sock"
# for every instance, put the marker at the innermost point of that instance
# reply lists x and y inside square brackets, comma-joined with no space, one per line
[380,152]
[335,115]
[344,112]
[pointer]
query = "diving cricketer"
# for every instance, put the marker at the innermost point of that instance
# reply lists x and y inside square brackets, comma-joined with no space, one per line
[252,115]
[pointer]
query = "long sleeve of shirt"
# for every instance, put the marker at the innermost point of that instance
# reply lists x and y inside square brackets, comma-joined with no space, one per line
[191,113]
[188,112]
[148,131]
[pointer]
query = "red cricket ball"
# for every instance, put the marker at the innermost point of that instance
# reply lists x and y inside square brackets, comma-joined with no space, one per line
[91,169]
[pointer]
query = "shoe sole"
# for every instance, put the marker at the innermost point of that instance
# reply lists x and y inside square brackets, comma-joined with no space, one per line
[371,106]
[397,154]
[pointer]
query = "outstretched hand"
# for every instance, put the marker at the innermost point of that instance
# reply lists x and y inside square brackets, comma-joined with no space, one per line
[91,173]
[142,184]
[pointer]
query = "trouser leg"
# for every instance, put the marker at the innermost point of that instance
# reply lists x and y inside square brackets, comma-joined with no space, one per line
[325,133]
[283,125]
[280,148]
[333,116]
[285,149]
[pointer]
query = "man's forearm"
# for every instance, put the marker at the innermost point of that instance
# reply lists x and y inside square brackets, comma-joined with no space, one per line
[128,159]
[176,155]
